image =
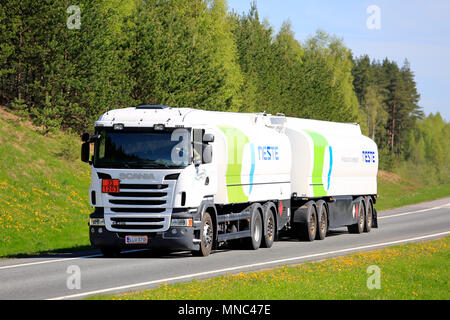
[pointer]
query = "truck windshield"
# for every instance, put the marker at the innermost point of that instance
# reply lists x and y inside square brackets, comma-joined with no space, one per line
[142,150]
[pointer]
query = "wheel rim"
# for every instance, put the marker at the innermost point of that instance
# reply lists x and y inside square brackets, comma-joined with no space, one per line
[361,216]
[270,227]
[323,222]
[312,224]
[257,230]
[207,235]
[369,216]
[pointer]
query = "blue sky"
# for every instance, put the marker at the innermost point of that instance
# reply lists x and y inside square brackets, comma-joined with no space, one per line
[416,30]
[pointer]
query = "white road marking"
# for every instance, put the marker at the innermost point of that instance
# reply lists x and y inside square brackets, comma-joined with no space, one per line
[61,260]
[230,269]
[413,212]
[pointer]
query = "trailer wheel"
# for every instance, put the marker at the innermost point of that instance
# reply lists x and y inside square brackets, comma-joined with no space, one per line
[256,227]
[269,225]
[359,226]
[322,221]
[206,237]
[308,229]
[369,216]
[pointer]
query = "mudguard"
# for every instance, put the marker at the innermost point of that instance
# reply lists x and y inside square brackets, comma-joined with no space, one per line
[301,215]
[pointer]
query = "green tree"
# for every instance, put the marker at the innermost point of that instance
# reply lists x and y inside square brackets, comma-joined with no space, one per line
[183,55]
[328,79]
[256,58]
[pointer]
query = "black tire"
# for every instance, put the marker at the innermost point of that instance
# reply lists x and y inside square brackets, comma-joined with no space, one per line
[269,226]
[110,252]
[307,230]
[256,227]
[206,237]
[322,221]
[358,228]
[369,216]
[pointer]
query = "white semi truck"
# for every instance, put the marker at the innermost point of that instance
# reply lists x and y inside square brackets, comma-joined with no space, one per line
[185,179]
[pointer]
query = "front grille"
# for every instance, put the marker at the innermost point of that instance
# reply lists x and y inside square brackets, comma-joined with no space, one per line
[139,202]
[143,186]
[138,210]
[137,227]
[140,207]
[124,220]
[138,194]
[137,223]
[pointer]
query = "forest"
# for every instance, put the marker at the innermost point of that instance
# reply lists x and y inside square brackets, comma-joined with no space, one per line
[62,67]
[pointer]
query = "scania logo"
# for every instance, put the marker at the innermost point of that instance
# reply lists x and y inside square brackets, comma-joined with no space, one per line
[137,176]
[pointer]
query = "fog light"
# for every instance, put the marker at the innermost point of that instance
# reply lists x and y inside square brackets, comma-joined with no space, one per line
[97,222]
[181,223]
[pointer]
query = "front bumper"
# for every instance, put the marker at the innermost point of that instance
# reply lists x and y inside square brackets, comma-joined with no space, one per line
[176,238]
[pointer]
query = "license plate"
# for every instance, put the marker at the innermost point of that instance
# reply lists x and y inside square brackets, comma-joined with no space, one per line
[110,186]
[136,240]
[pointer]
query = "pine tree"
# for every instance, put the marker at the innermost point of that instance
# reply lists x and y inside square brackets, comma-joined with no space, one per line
[183,55]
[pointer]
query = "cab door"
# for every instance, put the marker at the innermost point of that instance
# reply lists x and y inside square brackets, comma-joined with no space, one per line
[205,161]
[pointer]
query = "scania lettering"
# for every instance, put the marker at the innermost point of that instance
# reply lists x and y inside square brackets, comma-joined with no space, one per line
[184,179]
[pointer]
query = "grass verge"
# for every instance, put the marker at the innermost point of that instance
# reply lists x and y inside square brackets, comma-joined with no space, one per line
[395,191]
[43,190]
[411,271]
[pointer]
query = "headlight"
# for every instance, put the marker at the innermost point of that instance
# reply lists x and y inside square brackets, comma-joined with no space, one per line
[97,222]
[181,223]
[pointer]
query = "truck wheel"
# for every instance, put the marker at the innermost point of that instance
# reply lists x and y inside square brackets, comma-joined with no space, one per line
[206,237]
[256,227]
[322,221]
[369,216]
[359,226]
[308,229]
[110,252]
[269,226]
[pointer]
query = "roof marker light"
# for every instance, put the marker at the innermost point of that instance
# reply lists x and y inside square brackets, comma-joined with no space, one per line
[118,126]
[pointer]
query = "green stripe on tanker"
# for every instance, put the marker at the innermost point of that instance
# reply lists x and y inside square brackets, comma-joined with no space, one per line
[320,144]
[236,141]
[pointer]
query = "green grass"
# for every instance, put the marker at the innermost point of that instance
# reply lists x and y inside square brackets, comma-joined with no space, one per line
[395,191]
[412,271]
[43,190]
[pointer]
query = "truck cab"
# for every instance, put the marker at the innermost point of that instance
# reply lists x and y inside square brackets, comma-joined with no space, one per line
[151,174]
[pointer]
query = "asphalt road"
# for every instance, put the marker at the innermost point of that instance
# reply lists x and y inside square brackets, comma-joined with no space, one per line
[50,277]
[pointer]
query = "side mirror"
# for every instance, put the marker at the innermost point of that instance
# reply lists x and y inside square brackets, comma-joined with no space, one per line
[208,138]
[85,137]
[207,154]
[85,150]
